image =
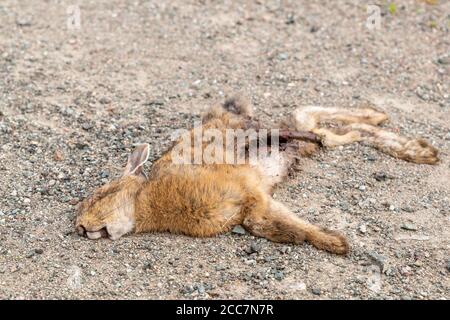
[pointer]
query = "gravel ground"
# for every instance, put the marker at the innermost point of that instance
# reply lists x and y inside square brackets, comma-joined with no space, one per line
[73,101]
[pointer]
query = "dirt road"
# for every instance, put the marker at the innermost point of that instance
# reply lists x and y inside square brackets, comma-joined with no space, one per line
[79,85]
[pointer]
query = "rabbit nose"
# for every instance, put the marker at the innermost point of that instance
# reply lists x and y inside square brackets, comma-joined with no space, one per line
[81,230]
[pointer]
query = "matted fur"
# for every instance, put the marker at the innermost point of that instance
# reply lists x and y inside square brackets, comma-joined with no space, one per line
[362,125]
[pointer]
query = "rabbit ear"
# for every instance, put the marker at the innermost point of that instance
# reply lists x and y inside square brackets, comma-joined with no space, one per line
[136,160]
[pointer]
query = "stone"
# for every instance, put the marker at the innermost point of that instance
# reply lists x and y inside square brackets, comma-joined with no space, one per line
[283,56]
[278,275]
[104,100]
[408,226]
[86,126]
[380,176]
[239,230]
[316,291]
[363,228]
[444,60]
[255,247]
[285,249]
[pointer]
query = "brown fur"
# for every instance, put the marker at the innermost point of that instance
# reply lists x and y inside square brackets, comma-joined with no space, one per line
[204,200]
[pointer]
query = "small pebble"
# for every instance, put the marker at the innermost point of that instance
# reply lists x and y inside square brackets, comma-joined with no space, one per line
[316,291]
[408,226]
[239,230]
[363,228]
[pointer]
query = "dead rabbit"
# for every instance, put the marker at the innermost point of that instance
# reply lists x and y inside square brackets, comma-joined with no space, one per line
[205,199]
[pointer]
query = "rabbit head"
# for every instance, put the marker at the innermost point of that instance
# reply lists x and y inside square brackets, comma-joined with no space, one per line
[109,212]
